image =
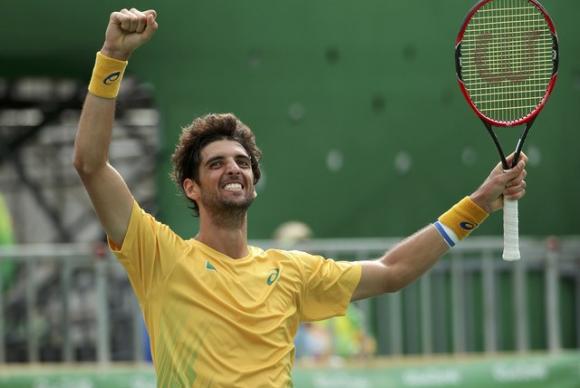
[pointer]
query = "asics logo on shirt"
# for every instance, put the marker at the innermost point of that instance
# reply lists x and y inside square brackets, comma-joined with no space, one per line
[209,266]
[273,276]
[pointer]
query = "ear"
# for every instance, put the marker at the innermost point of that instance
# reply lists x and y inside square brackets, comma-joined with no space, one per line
[255,194]
[191,189]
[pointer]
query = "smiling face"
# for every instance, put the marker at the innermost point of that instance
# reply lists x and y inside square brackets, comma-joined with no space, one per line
[225,179]
[203,131]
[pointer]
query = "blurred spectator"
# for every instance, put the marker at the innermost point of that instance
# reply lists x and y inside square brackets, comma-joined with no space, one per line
[344,337]
[292,232]
[7,266]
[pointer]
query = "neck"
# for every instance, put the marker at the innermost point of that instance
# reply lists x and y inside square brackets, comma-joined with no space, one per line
[227,235]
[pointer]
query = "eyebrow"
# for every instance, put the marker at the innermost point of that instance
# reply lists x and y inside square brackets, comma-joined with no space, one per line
[221,157]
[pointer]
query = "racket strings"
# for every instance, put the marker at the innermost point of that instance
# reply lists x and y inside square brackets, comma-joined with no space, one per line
[507,59]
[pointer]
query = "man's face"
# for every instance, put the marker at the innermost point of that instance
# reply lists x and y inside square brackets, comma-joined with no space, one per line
[226,180]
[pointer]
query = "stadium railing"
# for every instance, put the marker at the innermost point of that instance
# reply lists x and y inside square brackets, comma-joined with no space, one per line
[39,310]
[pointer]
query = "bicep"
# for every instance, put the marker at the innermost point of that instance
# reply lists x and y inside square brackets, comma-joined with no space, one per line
[111,200]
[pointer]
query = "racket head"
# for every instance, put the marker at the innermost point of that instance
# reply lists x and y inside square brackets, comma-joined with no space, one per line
[506,56]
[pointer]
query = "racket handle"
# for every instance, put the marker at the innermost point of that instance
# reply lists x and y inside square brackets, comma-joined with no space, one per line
[511,242]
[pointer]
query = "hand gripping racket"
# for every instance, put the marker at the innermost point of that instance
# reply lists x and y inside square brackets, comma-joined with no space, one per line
[506,58]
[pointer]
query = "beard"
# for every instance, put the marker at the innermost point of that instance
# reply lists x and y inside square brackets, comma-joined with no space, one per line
[227,212]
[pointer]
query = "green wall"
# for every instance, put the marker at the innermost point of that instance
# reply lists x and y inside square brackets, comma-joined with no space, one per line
[372,80]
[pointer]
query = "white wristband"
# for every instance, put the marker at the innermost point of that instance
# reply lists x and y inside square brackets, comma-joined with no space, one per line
[447,233]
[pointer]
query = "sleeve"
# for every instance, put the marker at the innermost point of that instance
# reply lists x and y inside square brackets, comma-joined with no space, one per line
[328,286]
[148,253]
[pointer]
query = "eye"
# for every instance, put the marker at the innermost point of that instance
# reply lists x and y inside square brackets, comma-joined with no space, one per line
[244,163]
[215,164]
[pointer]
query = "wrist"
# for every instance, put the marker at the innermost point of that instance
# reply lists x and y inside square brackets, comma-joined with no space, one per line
[459,221]
[107,76]
[120,55]
[479,200]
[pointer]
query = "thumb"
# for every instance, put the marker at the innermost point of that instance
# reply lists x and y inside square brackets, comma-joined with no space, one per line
[515,171]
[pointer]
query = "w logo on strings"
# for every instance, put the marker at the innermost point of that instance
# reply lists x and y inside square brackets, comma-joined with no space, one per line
[492,58]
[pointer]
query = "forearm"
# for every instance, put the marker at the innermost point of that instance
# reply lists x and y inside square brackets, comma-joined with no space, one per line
[416,254]
[126,31]
[402,264]
[94,134]
[412,257]
[96,122]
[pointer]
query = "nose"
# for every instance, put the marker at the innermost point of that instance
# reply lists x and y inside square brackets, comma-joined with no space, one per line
[232,168]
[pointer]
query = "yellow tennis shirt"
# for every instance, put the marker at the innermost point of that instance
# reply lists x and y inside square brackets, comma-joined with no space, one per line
[215,321]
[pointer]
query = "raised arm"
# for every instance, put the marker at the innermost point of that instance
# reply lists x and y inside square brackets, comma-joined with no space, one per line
[111,198]
[416,254]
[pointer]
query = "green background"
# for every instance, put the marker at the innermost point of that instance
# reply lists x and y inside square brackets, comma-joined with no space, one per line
[373,80]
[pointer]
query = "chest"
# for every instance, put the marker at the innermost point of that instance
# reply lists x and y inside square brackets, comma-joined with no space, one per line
[261,289]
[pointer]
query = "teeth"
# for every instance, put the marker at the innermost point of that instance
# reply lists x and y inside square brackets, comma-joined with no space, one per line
[233,187]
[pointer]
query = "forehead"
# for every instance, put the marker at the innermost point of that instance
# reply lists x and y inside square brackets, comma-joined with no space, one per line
[222,148]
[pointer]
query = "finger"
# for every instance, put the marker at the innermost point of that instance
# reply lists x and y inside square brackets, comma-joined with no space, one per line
[515,194]
[130,22]
[151,26]
[498,169]
[141,20]
[151,12]
[512,174]
[521,177]
[518,179]
[516,197]
[121,19]
[519,167]
[516,188]
[521,157]
[117,18]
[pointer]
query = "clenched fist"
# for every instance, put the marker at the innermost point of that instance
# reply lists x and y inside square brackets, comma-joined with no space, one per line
[127,30]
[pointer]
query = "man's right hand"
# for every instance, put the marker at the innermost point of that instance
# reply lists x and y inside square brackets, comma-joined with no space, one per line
[127,30]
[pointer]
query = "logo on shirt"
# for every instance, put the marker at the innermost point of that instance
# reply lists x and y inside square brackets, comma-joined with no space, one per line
[209,266]
[273,276]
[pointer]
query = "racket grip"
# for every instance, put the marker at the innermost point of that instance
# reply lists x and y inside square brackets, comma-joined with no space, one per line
[511,242]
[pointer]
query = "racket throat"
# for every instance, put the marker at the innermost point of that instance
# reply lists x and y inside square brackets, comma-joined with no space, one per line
[521,141]
[504,162]
[519,145]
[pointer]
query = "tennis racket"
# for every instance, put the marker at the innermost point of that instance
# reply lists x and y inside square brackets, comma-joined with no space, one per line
[506,59]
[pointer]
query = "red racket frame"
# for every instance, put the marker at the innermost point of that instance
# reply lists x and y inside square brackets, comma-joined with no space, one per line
[531,116]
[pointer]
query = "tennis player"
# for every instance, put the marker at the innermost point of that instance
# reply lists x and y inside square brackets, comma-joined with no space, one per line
[221,313]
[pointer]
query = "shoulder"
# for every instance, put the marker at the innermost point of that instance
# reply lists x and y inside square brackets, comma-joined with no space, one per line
[145,222]
[280,253]
[293,257]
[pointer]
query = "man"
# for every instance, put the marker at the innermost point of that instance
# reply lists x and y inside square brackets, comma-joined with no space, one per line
[221,313]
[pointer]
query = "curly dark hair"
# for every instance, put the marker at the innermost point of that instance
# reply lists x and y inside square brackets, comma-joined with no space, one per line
[203,131]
